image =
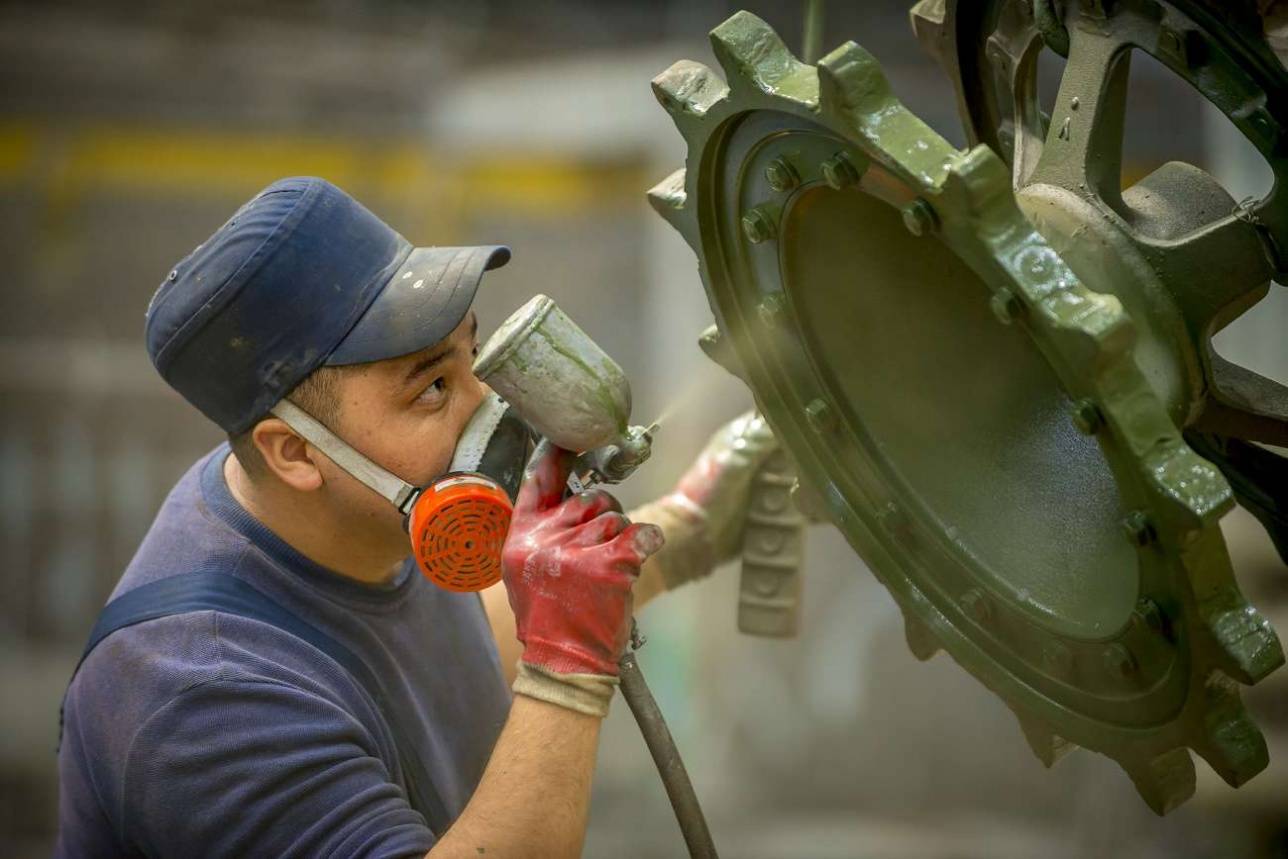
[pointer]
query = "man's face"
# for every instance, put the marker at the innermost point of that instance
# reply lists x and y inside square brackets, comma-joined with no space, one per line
[406,414]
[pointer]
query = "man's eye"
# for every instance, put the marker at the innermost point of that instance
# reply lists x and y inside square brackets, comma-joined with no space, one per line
[434,391]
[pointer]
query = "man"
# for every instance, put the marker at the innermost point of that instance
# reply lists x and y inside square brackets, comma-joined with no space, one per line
[365,714]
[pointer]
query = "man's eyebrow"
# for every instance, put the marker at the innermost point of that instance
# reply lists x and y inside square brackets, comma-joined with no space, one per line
[433,359]
[429,362]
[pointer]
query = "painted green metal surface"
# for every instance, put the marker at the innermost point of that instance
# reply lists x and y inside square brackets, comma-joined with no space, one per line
[1210,257]
[990,424]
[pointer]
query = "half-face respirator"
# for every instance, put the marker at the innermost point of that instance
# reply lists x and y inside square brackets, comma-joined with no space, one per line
[457,524]
[549,379]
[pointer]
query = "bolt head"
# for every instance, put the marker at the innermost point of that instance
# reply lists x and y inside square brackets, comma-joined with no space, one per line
[1150,614]
[1265,126]
[839,172]
[1138,528]
[919,217]
[820,416]
[1172,44]
[758,226]
[1086,417]
[1006,306]
[1118,660]
[807,501]
[1057,658]
[770,310]
[975,604]
[891,518]
[1006,138]
[781,175]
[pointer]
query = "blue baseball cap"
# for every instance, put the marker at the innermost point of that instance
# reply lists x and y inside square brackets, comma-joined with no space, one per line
[300,277]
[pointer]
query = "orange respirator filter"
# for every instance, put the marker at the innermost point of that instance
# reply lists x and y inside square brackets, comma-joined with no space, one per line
[457,527]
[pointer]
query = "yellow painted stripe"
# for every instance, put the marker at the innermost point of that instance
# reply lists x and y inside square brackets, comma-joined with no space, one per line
[17,150]
[557,186]
[234,165]
[144,160]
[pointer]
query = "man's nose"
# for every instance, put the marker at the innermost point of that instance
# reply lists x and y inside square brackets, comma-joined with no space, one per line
[478,392]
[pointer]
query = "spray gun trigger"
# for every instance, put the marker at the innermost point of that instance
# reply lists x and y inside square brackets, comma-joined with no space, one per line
[586,479]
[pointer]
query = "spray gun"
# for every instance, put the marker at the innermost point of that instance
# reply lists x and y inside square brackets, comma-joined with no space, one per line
[569,390]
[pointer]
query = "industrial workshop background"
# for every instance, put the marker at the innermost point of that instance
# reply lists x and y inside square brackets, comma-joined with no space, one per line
[128,132]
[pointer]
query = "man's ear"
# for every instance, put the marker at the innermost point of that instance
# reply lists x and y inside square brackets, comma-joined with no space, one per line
[287,455]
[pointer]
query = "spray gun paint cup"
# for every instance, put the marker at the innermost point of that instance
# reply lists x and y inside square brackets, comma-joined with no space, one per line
[557,378]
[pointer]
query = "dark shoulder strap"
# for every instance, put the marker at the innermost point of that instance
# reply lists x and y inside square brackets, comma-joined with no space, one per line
[215,591]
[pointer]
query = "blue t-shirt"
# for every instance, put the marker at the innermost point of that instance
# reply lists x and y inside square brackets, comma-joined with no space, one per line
[208,734]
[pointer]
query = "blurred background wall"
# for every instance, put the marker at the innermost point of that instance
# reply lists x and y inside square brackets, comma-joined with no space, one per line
[128,133]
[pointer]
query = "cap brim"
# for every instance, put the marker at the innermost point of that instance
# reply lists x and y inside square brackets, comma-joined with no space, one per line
[422,303]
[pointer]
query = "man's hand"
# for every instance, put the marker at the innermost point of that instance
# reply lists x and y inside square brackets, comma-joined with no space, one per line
[569,566]
[703,516]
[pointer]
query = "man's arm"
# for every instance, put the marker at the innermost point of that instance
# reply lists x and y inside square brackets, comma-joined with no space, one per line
[535,792]
[496,604]
[569,565]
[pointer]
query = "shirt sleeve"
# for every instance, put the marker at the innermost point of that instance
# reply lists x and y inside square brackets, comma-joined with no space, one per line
[253,767]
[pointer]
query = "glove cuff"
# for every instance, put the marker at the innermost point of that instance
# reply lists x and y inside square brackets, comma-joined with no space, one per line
[584,693]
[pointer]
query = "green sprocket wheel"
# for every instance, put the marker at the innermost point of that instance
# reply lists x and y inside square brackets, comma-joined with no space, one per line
[998,441]
[1199,247]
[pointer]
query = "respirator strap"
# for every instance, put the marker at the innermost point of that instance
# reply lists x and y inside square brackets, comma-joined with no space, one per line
[389,486]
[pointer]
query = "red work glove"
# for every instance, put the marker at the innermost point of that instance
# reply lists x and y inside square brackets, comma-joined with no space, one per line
[568,566]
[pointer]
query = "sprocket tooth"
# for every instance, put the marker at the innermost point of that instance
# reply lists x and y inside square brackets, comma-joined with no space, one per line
[750,52]
[687,90]
[853,89]
[851,82]
[1197,492]
[921,641]
[668,199]
[1232,744]
[927,19]
[1247,644]
[1048,746]
[716,346]
[1165,781]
